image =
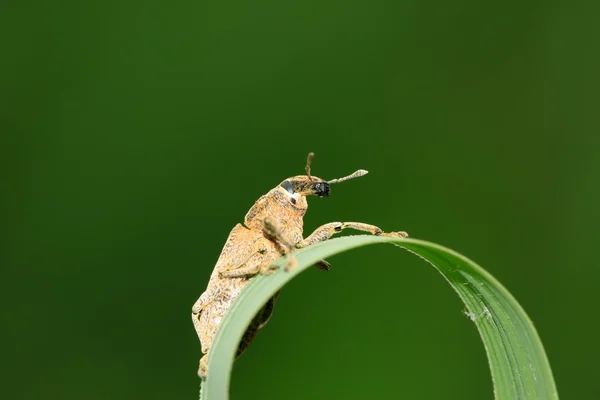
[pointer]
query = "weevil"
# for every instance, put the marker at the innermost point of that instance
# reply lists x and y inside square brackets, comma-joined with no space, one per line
[271,228]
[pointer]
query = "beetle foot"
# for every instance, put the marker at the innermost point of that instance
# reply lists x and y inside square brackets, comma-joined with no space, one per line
[323,265]
[269,269]
[401,235]
[203,369]
[290,263]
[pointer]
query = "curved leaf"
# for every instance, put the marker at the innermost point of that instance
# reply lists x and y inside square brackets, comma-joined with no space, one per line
[518,363]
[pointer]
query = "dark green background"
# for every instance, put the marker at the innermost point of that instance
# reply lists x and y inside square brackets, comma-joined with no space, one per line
[135,135]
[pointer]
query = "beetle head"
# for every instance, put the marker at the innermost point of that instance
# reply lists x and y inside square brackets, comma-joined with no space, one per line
[304,185]
[308,185]
[287,201]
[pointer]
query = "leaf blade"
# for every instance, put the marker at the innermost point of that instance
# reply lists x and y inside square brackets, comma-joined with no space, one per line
[518,362]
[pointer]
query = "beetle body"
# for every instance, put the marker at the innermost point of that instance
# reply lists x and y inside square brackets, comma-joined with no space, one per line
[272,227]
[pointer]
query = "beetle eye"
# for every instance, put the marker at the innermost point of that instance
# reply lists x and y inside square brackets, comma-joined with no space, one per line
[287,185]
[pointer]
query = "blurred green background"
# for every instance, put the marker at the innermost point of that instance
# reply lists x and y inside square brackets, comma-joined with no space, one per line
[135,135]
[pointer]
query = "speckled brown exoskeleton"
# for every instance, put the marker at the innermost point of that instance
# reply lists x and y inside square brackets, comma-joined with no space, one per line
[271,228]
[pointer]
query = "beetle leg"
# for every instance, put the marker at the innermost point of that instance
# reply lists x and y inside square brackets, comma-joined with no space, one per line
[197,308]
[326,231]
[202,301]
[273,231]
[323,265]
[203,368]
[260,320]
[251,266]
[242,272]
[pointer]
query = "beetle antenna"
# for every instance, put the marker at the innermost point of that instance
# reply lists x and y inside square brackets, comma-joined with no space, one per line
[309,159]
[359,173]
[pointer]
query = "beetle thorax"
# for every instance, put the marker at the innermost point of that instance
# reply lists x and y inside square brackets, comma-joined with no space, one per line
[286,211]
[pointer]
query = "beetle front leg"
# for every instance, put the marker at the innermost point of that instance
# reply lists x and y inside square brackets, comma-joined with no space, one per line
[274,232]
[326,231]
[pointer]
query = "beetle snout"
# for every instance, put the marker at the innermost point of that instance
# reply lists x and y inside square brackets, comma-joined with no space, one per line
[321,189]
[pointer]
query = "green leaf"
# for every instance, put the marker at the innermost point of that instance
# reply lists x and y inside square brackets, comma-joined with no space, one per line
[518,363]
